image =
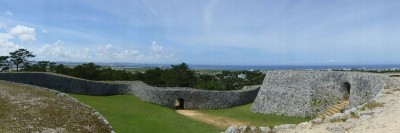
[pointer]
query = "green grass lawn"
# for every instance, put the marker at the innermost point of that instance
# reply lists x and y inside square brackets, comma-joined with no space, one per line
[128,114]
[243,113]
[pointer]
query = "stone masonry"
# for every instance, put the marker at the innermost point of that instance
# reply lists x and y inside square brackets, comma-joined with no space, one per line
[307,93]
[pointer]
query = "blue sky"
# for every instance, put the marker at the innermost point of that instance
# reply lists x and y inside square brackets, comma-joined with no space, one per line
[222,32]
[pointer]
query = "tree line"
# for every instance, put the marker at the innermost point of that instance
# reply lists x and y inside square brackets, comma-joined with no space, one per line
[176,76]
[182,76]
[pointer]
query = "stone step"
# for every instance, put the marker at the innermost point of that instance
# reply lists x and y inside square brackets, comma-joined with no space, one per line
[334,109]
[331,111]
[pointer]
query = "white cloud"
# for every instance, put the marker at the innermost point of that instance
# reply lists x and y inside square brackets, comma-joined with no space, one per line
[106,51]
[158,53]
[57,52]
[155,54]
[7,46]
[9,13]
[109,52]
[156,48]
[24,33]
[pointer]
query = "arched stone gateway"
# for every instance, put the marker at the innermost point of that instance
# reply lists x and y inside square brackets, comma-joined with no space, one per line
[308,93]
[346,91]
[179,104]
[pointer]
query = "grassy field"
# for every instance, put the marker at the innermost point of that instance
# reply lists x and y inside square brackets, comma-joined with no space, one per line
[243,113]
[129,114]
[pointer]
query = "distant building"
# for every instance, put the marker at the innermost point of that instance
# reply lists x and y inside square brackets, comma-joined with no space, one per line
[242,76]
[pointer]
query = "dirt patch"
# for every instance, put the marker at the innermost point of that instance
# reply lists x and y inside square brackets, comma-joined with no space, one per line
[25,108]
[221,122]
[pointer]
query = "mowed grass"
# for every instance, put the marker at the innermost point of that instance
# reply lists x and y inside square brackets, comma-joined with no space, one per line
[128,114]
[243,113]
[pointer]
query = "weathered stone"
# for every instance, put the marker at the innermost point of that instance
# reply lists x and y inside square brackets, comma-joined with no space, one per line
[254,129]
[336,117]
[304,125]
[339,128]
[284,127]
[232,129]
[237,129]
[365,117]
[367,112]
[378,110]
[347,112]
[354,109]
[353,122]
[316,121]
[307,93]
[265,129]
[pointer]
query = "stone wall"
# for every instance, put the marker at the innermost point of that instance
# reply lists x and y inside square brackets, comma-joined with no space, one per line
[307,93]
[63,83]
[192,98]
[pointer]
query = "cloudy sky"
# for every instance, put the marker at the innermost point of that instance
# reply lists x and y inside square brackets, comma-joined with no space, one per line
[224,32]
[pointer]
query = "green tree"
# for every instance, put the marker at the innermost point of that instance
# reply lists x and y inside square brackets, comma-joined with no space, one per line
[153,77]
[61,68]
[87,71]
[52,66]
[43,65]
[179,76]
[20,56]
[4,63]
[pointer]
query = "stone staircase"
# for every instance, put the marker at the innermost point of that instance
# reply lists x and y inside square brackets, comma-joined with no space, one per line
[334,109]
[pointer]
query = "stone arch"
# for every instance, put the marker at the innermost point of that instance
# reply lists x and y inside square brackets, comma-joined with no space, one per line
[346,91]
[179,103]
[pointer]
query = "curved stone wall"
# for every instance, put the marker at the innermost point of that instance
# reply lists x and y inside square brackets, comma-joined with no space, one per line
[307,93]
[191,98]
[63,83]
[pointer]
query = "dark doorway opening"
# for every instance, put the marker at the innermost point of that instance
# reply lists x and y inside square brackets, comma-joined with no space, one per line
[179,103]
[346,91]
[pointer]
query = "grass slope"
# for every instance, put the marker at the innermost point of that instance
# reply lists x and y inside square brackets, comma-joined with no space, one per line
[243,113]
[129,114]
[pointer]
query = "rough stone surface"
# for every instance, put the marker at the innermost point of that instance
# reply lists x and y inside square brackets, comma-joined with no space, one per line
[284,127]
[237,129]
[192,98]
[316,121]
[304,125]
[365,117]
[354,109]
[307,93]
[335,117]
[265,129]
[339,128]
